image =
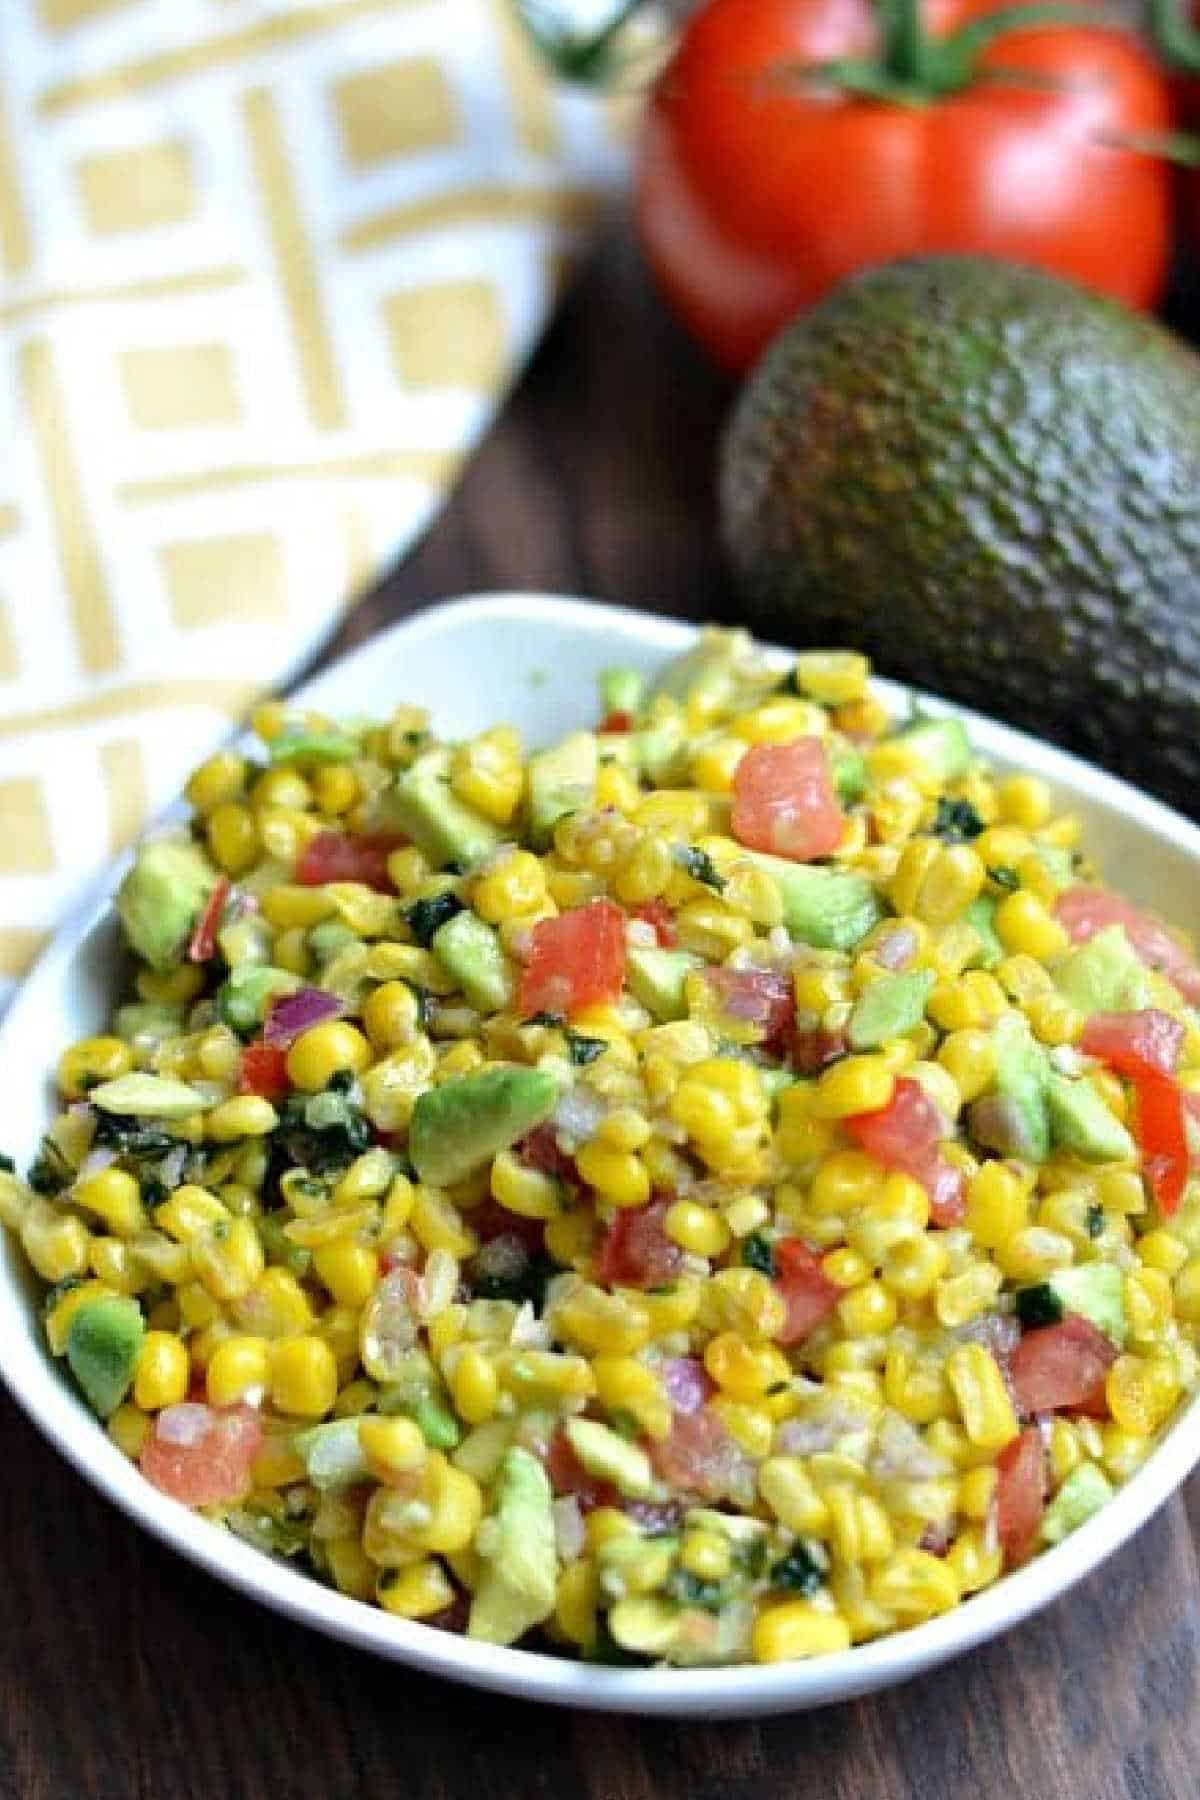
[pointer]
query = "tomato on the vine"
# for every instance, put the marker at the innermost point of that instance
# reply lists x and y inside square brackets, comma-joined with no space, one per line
[760,185]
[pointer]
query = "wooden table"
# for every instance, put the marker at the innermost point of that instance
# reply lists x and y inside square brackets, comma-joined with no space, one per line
[123,1672]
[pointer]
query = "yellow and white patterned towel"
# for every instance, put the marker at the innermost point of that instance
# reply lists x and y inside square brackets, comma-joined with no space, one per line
[266,269]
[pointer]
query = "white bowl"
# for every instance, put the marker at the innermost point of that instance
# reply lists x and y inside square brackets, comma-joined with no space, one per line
[533,659]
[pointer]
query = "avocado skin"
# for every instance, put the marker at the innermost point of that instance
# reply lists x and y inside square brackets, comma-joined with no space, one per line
[988,479]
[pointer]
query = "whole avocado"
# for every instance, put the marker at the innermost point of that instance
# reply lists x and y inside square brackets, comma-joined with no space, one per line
[989,479]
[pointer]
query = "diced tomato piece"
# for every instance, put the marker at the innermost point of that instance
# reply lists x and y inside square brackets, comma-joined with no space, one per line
[343,856]
[636,1251]
[263,1070]
[760,997]
[905,1135]
[617,720]
[1059,1365]
[1083,911]
[202,1457]
[784,801]
[568,1476]
[659,914]
[1132,1041]
[203,942]
[699,1455]
[812,1051]
[1158,1126]
[1020,1494]
[576,960]
[540,1149]
[808,1292]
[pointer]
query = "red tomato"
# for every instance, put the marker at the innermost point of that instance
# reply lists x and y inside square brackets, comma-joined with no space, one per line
[1145,1047]
[568,1476]
[659,914]
[1020,1494]
[905,1135]
[1130,1042]
[342,856]
[784,803]
[1083,911]
[204,938]
[759,997]
[1161,1133]
[756,193]
[541,1151]
[263,1070]
[1059,1365]
[491,1220]
[199,1456]
[617,721]
[636,1251]
[814,1050]
[810,1295]
[577,960]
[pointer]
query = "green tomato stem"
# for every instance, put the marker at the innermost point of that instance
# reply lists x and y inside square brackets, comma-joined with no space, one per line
[1176,38]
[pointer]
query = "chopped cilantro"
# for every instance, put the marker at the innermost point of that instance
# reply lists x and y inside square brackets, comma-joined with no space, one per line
[49,1172]
[131,1137]
[425,917]
[551,1020]
[585,1050]
[624,1424]
[700,866]
[59,1291]
[1095,1220]
[957,821]
[757,1254]
[1038,1305]
[798,1570]
[752,1557]
[341,1081]
[690,1590]
[1005,878]
[7,1165]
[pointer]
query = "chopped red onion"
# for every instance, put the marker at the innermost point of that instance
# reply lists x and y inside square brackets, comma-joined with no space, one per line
[687,1383]
[94,1161]
[297,1012]
[897,949]
[185,1424]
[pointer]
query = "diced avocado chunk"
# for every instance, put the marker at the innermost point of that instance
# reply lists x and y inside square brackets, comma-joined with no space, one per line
[888,1008]
[621,690]
[316,748]
[1082,1124]
[469,950]
[457,1127]
[148,1096]
[519,1563]
[332,1454]
[1022,1074]
[102,1350]
[942,746]
[1104,975]
[424,806]
[562,780]
[850,776]
[242,997]
[1083,1493]
[831,909]
[660,749]
[328,939]
[712,662]
[148,1018]
[656,978]
[1096,1291]
[605,1454]
[161,898]
[980,916]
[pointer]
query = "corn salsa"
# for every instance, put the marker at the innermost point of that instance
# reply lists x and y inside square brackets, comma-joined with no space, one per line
[718,1188]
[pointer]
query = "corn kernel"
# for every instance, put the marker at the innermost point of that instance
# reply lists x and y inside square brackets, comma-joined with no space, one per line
[983,1402]
[90,1061]
[417,1592]
[304,1377]
[238,1367]
[1024,926]
[796,1629]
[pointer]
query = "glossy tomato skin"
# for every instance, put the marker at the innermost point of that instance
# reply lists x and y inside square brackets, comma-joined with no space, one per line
[755,195]
[1020,1494]
[1060,1365]
[784,803]
[576,960]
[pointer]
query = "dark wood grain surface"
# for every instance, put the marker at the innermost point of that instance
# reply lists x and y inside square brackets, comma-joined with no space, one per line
[123,1672]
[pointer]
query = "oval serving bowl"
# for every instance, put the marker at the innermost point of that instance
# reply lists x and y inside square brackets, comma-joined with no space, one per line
[533,660]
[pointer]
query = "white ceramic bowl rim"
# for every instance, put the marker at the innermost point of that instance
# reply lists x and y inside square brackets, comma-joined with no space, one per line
[613,635]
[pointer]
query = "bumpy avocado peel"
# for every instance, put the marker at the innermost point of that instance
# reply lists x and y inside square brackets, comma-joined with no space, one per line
[989,479]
